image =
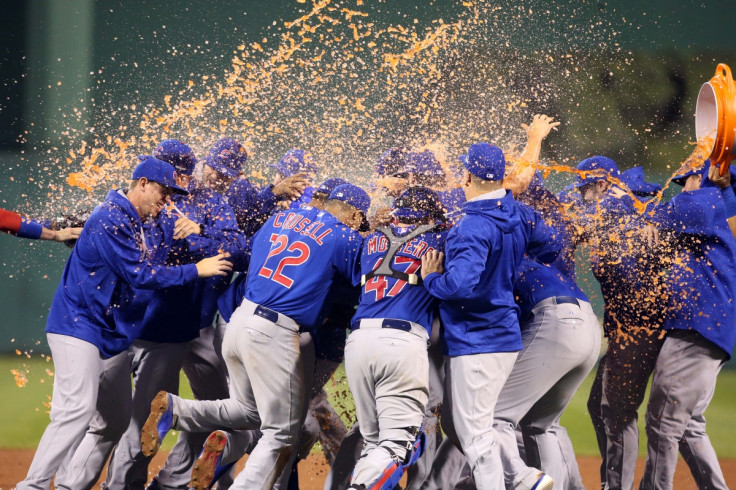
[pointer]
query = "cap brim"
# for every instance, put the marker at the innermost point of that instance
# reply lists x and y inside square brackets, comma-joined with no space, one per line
[226,171]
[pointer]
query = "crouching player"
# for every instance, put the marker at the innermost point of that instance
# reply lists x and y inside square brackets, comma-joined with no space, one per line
[386,352]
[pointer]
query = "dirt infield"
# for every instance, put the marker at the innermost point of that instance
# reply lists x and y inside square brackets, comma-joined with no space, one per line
[313,470]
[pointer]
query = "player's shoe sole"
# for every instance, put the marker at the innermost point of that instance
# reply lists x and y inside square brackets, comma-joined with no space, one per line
[158,423]
[203,472]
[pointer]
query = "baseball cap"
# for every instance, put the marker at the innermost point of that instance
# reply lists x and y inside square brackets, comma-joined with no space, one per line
[423,163]
[417,203]
[157,171]
[353,195]
[178,154]
[634,180]
[295,161]
[703,170]
[392,161]
[485,161]
[227,156]
[603,167]
[329,185]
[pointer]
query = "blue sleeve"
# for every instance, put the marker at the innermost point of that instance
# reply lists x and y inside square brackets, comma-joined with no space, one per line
[29,229]
[220,232]
[466,254]
[544,244]
[347,257]
[118,247]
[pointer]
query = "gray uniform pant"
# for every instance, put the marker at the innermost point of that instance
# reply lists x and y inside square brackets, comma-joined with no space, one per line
[388,373]
[617,393]
[112,415]
[78,369]
[266,390]
[472,386]
[207,374]
[561,345]
[682,387]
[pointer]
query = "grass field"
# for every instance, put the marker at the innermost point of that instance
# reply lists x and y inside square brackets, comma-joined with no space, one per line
[24,412]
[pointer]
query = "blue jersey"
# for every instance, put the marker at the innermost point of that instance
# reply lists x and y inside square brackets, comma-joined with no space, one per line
[252,205]
[96,298]
[295,257]
[388,297]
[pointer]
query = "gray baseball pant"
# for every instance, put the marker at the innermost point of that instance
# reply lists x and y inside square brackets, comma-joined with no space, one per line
[472,386]
[78,367]
[561,345]
[388,373]
[266,390]
[682,387]
[155,367]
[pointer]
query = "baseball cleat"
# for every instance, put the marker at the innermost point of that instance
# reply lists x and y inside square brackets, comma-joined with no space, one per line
[158,424]
[205,469]
[544,482]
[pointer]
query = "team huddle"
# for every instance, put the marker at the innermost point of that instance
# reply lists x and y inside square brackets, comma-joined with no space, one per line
[455,310]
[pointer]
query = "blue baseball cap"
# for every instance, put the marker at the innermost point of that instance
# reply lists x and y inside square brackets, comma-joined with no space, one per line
[417,203]
[485,161]
[603,167]
[634,180]
[157,171]
[423,163]
[329,185]
[227,156]
[295,161]
[353,195]
[178,154]
[392,161]
[703,170]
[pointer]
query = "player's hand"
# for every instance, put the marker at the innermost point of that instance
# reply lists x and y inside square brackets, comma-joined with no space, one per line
[617,192]
[722,181]
[185,227]
[651,235]
[382,217]
[432,261]
[540,127]
[214,266]
[67,234]
[292,187]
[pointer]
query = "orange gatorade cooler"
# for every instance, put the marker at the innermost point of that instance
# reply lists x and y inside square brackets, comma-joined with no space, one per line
[715,117]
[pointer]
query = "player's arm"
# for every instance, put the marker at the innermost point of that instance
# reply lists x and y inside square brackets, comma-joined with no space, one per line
[523,172]
[466,257]
[119,250]
[19,226]
[347,258]
[729,199]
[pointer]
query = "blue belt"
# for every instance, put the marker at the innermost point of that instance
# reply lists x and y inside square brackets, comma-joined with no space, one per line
[264,312]
[567,300]
[387,323]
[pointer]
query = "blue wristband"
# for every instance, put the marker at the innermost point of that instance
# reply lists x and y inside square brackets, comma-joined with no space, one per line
[31,229]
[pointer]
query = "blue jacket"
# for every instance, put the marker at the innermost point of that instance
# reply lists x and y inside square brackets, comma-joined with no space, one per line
[176,314]
[630,272]
[537,281]
[702,281]
[483,253]
[96,300]
[252,205]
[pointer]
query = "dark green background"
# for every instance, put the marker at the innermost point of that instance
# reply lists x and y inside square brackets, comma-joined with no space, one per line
[633,97]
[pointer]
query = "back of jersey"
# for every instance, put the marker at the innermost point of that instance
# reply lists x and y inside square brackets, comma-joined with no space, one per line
[389,297]
[295,257]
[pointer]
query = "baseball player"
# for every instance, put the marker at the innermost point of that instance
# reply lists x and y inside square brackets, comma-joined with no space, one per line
[22,227]
[701,332]
[629,272]
[177,328]
[96,313]
[297,162]
[481,335]
[386,353]
[294,260]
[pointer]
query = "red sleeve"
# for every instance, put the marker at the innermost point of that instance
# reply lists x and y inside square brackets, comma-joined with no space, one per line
[9,221]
